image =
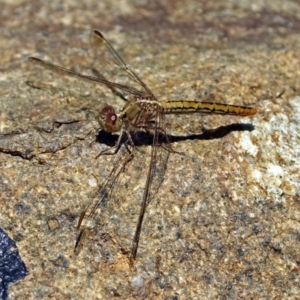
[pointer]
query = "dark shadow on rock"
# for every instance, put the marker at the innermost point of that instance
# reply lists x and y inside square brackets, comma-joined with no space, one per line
[146,139]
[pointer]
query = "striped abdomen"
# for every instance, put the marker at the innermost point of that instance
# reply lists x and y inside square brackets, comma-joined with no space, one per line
[187,107]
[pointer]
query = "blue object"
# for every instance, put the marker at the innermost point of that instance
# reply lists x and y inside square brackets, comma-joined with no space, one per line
[12,268]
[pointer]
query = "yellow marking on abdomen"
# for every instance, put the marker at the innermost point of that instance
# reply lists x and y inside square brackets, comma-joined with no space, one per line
[186,107]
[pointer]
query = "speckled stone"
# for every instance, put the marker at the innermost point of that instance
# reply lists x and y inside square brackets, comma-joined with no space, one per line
[225,221]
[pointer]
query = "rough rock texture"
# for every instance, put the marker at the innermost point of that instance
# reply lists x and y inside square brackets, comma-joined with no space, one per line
[224,223]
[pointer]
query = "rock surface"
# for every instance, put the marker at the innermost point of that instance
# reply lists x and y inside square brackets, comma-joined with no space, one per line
[225,220]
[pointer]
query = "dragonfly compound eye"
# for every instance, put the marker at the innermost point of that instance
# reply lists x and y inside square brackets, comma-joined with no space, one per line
[111,119]
[112,122]
[107,109]
[108,119]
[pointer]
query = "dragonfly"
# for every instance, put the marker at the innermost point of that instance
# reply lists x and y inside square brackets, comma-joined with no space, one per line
[143,111]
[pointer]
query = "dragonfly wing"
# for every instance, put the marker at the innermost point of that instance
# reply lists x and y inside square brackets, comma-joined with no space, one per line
[105,196]
[112,67]
[155,174]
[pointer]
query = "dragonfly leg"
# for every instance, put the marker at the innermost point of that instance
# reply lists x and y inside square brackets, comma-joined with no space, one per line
[114,149]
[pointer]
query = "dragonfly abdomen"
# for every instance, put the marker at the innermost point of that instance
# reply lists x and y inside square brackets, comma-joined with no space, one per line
[185,107]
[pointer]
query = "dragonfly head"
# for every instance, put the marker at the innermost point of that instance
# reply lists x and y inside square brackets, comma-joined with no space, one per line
[108,119]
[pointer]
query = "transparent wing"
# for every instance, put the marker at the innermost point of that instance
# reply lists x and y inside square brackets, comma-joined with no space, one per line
[113,68]
[110,71]
[105,194]
[160,151]
[99,80]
